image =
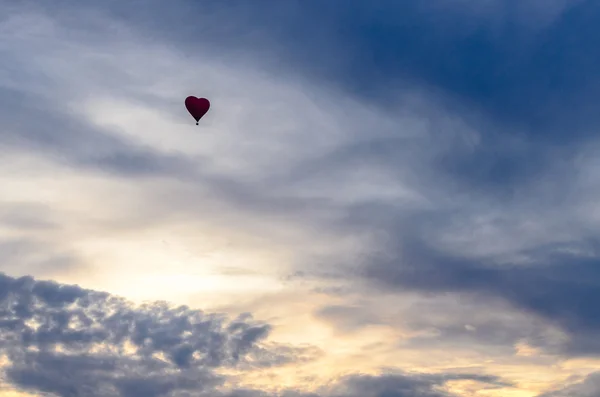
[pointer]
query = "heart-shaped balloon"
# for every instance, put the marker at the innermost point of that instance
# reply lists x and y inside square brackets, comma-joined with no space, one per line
[197,107]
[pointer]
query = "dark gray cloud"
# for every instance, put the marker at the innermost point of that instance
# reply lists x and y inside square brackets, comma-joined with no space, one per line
[440,323]
[69,341]
[392,384]
[588,387]
[407,385]
[495,166]
[558,287]
[503,62]
[531,84]
[548,278]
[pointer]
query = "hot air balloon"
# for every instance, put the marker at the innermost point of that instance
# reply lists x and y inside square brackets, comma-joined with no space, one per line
[197,107]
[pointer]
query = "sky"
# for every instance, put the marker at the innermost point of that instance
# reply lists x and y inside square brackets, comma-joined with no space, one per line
[392,198]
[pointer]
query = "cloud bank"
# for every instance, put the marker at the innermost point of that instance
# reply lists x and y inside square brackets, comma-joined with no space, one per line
[67,341]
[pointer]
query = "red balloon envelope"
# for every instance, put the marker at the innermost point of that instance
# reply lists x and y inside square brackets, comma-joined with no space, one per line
[197,107]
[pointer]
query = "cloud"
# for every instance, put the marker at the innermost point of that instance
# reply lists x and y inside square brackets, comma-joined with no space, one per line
[103,108]
[392,172]
[404,385]
[432,324]
[441,154]
[391,383]
[66,340]
[513,60]
[558,287]
[588,387]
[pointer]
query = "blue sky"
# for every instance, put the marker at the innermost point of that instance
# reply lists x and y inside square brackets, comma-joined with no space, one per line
[390,198]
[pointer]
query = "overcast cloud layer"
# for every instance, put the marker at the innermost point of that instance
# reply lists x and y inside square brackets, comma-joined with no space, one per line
[402,194]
